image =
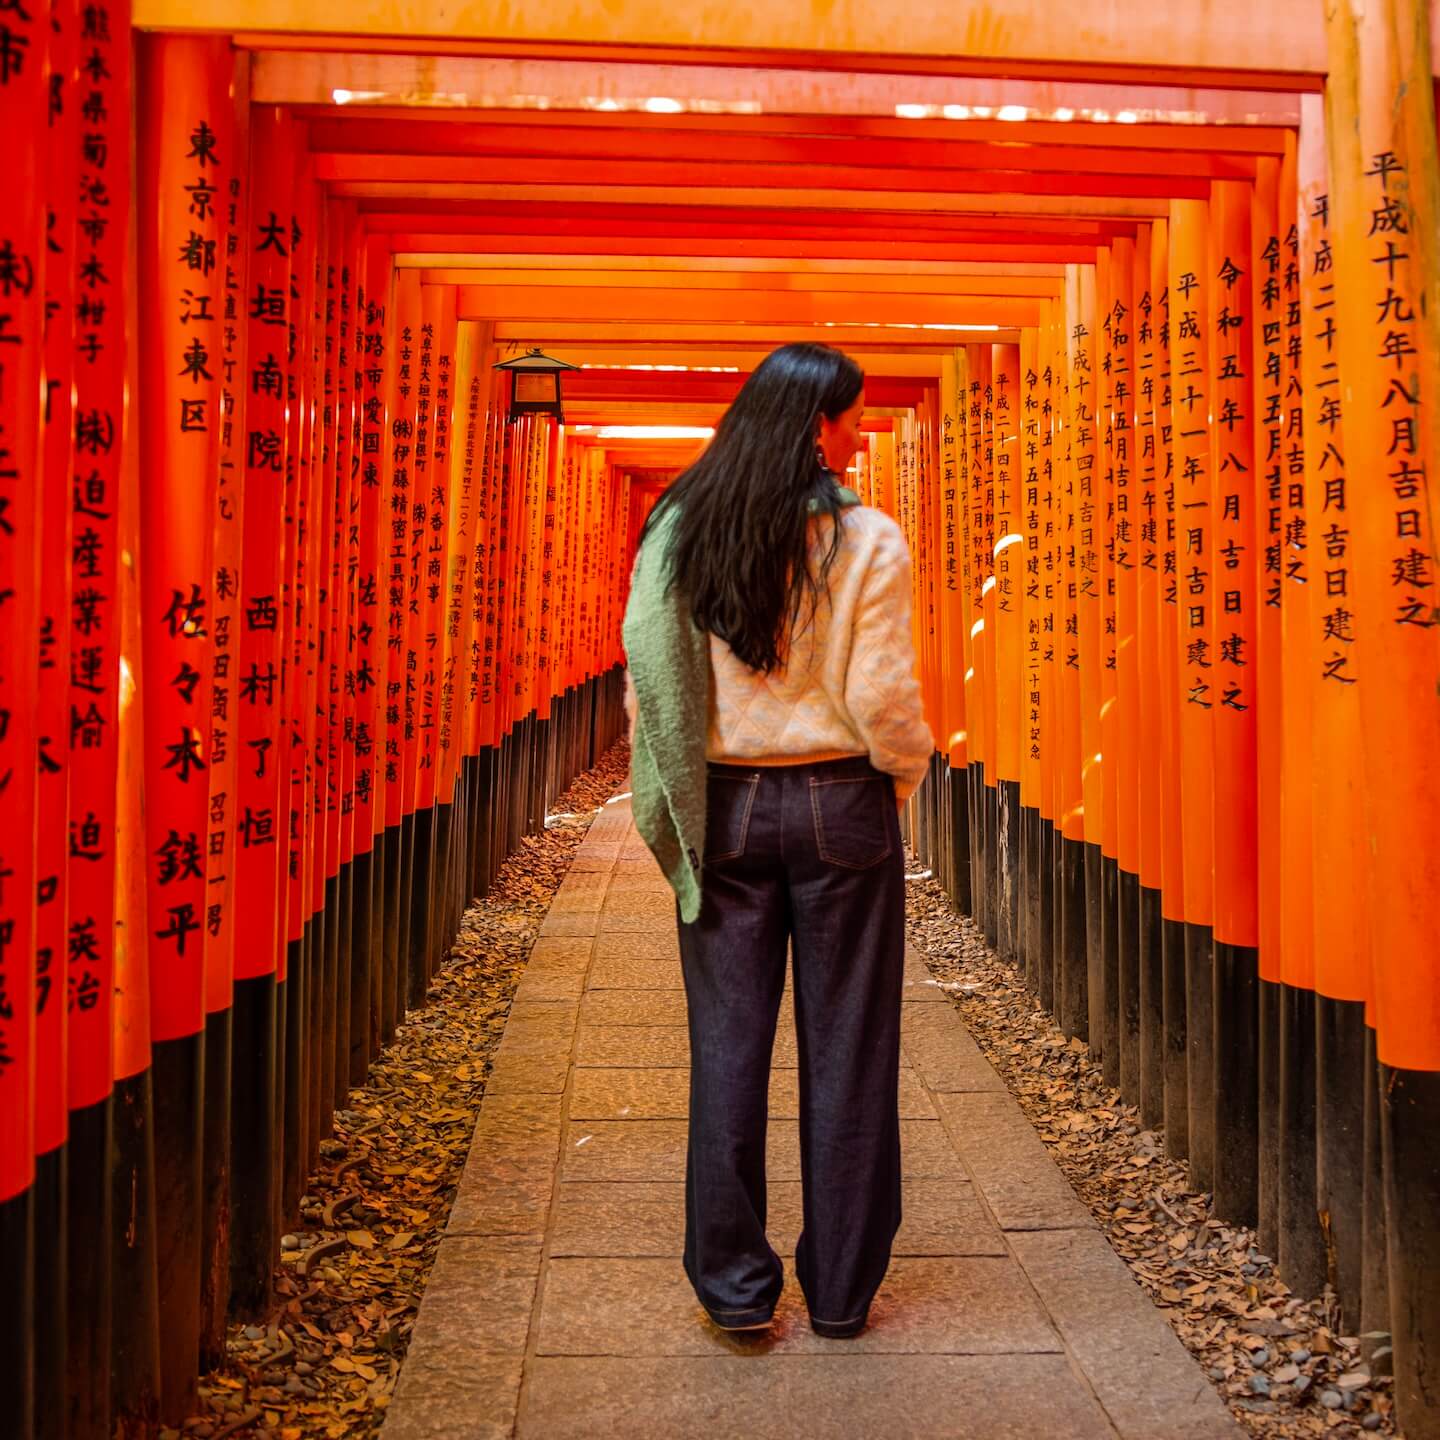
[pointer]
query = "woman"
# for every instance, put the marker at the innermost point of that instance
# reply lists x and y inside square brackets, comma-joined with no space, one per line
[778,725]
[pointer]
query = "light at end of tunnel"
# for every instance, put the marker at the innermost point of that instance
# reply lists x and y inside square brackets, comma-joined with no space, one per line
[975,629]
[956,112]
[911,112]
[1064,113]
[664,105]
[1008,541]
[1126,117]
[1012,112]
[652,432]
[988,586]
[946,325]
[970,673]
[363,97]
[708,369]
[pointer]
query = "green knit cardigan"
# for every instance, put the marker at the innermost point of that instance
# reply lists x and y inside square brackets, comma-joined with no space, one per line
[669,661]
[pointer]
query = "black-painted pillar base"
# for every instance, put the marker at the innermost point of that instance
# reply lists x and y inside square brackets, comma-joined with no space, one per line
[1070,1002]
[423,855]
[322,1071]
[1172,999]
[1042,972]
[408,961]
[1340,1034]
[990,797]
[1410,1143]
[394,951]
[337,1093]
[178,1067]
[441,907]
[1147,977]
[1267,1225]
[362,949]
[1029,928]
[1200,1052]
[253,1170]
[1092,963]
[1062,913]
[1237,1081]
[1297,1222]
[90,1270]
[292,1005]
[135,1298]
[1120,1000]
[1007,867]
[52,1285]
[481,850]
[17,1316]
[1375,1259]
[215,1191]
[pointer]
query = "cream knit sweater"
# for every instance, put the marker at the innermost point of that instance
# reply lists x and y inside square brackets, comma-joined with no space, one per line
[849,685]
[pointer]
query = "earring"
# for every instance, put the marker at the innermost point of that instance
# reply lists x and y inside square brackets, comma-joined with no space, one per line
[820,459]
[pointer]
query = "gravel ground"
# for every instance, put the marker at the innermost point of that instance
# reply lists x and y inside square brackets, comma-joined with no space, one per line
[1276,1358]
[350,1279]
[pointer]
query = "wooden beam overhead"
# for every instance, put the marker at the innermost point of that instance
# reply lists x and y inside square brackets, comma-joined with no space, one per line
[768,307]
[714,336]
[758,270]
[426,172]
[1094,69]
[683,359]
[1286,38]
[1036,249]
[355,134]
[660,198]
[1143,135]
[620,284]
[688,221]
[482,83]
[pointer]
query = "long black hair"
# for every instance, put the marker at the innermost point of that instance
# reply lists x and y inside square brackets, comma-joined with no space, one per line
[740,551]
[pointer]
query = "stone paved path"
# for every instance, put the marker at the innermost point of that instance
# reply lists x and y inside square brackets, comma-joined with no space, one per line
[557,1307]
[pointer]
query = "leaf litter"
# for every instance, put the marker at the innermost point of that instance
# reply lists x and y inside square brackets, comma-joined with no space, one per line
[350,1278]
[1277,1359]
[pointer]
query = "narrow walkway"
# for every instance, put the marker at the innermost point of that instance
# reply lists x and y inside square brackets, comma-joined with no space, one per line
[557,1307]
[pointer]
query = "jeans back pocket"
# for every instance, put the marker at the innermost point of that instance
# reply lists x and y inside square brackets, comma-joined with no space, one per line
[852,820]
[729,799]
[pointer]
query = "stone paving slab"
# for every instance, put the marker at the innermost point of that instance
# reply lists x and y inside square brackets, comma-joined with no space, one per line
[655,1150]
[436,1399]
[1009,1162]
[647,1218]
[944,1053]
[667,1045]
[660,1094]
[935,1305]
[1136,1365]
[889,1397]
[558,1306]
[626,972]
[654,944]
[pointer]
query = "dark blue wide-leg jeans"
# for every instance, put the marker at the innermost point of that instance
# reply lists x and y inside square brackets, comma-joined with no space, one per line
[805,858]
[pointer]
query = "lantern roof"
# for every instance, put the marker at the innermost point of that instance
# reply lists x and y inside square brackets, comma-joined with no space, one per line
[535,360]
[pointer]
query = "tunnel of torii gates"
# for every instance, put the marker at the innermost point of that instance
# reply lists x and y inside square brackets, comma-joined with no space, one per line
[302,633]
